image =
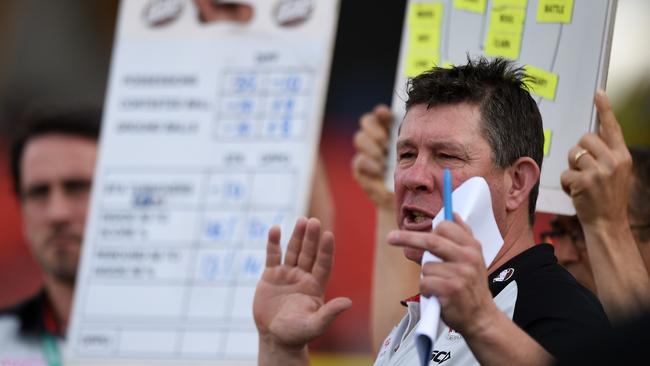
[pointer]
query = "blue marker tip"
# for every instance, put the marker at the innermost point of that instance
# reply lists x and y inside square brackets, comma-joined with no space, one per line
[449,212]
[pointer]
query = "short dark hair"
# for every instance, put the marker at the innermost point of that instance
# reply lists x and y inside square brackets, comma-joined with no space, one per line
[79,122]
[511,122]
[638,207]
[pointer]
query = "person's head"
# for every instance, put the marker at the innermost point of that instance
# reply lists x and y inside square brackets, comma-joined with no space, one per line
[477,119]
[570,249]
[52,163]
[568,239]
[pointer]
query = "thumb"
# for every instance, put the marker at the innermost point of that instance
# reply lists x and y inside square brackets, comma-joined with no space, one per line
[328,312]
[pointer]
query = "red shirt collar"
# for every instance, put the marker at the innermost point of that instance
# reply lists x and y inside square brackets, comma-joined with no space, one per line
[414,298]
[50,322]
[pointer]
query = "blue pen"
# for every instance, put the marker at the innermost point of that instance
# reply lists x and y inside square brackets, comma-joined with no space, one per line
[449,212]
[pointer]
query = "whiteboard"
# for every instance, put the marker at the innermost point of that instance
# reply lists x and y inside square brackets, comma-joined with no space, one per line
[209,137]
[564,43]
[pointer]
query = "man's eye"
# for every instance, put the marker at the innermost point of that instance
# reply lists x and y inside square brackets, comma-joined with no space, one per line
[447,156]
[36,193]
[405,155]
[77,186]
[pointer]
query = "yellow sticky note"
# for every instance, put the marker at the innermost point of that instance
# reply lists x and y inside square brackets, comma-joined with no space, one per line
[419,62]
[427,15]
[476,6]
[424,39]
[507,19]
[509,4]
[547,141]
[541,82]
[503,44]
[554,11]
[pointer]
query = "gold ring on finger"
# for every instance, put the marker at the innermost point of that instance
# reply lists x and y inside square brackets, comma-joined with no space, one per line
[579,154]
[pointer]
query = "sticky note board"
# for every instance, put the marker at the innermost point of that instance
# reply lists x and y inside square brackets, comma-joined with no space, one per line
[477,6]
[555,11]
[566,52]
[210,135]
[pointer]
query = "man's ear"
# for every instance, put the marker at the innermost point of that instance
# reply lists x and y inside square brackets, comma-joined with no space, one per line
[523,174]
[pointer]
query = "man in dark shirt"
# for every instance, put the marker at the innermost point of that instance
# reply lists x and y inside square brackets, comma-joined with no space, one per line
[476,120]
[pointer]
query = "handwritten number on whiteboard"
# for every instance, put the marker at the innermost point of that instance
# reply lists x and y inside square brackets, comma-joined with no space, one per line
[244,83]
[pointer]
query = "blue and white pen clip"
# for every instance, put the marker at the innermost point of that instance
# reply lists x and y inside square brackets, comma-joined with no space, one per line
[449,212]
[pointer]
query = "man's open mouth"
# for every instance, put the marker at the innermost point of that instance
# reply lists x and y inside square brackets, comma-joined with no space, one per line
[416,220]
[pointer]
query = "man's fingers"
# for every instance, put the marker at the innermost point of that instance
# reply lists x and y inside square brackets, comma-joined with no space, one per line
[374,128]
[384,116]
[441,247]
[295,243]
[309,245]
[597,148]
[585,159]
[437,286]
[456,232]
[324,259]
[568,180]
[364,165]
[459,220]
[328,312]
[610,130]
[370,177]
[439,269]
[366,145]
[273,250]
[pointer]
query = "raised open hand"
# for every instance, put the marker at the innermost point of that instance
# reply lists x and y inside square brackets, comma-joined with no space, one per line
[289,306]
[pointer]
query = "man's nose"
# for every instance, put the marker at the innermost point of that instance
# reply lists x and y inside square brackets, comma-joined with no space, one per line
[420,176]
[59,207]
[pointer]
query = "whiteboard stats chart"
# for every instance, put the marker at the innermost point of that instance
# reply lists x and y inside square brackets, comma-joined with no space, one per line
[209,138]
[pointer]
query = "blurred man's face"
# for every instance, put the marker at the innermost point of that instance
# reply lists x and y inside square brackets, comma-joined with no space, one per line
[569,242]
[56,174]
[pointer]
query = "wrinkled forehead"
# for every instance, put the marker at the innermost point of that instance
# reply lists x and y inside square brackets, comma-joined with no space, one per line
[460,120]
